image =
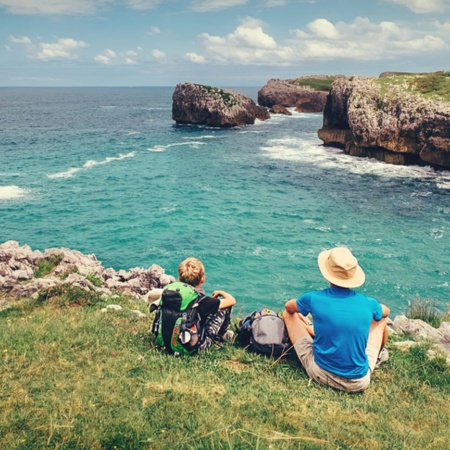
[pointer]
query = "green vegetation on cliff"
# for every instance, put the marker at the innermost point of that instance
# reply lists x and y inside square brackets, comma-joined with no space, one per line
[228,98]
[434,86]
[322,83]
[76,378]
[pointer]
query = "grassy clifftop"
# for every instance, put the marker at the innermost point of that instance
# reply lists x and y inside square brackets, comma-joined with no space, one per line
[433,86]
[76,378]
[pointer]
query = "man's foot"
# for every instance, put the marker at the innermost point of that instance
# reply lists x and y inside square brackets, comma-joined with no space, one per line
[228,335]
[382,357]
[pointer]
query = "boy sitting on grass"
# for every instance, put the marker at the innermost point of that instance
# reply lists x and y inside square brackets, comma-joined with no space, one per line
[214,311]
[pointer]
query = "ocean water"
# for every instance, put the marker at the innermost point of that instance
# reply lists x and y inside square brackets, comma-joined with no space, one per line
[106,171]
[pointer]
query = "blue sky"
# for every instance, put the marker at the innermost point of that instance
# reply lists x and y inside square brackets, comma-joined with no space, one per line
[216,42]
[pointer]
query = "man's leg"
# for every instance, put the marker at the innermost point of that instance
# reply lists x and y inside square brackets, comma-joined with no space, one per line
[378,336]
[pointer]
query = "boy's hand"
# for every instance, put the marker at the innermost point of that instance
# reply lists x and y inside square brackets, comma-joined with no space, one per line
[218,294]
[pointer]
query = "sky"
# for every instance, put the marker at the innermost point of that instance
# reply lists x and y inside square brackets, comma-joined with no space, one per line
[222,43]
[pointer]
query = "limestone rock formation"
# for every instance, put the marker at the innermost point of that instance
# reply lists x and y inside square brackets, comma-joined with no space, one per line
[205,105]
[280,109]
[289,94]
[439,337]
[19,266]
[391,125]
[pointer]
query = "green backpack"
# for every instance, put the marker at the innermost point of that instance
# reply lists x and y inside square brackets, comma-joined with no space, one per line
[177,325]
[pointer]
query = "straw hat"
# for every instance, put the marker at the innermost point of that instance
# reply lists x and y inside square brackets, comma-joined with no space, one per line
[341,268]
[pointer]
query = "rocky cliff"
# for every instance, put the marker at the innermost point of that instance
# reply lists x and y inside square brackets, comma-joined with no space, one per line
[384,121]
[296,93]
[206,105]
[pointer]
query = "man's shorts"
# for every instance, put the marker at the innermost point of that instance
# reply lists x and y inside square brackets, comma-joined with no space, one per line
[304,349]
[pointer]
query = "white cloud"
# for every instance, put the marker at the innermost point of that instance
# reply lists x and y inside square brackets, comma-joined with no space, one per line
[8,48]
[20,40]
[53,7]
[195,58]
[215,5]
[443,28]
[109,57]
[271,3]
[324,28]
[158,54]
[321,39]
[103,59]
[142,5]
[423,6]
[155,30]
[110,53]
[63,49]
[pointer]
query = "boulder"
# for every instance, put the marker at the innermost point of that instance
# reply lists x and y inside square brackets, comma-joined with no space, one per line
[290,93]
[280,109]
[439,337]
[389,124]
[206,105]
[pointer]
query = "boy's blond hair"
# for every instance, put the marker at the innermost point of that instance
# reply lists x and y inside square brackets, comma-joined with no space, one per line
[191,271]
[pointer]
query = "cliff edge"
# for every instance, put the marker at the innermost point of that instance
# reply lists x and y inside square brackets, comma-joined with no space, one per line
[388,121]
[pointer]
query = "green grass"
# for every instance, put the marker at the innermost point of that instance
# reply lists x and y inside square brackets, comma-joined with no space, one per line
[76,378]
[426,310]
[318,84]
[47,265]
[228,99]
[434,86]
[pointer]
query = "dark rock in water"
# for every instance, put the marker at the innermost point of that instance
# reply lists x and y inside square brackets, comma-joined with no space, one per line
[289,93]
[388,124]
[280,109]
[206,105]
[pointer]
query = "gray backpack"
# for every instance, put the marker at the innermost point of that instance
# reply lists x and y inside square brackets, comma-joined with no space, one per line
[264,332]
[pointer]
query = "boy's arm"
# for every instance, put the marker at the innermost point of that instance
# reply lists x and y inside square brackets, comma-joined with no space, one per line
[227,299]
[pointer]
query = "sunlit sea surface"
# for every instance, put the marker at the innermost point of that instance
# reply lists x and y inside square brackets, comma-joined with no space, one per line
[106,171]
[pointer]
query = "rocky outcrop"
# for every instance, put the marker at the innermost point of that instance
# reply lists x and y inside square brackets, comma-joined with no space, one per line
[386,123]
[280,109]
[205,105]
[20,277]
[289,94]
[420,330]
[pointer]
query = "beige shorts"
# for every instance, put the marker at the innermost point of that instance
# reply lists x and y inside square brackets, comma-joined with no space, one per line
[304,349]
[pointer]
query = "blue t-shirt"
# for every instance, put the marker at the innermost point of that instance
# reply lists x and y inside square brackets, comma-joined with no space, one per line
[342,319]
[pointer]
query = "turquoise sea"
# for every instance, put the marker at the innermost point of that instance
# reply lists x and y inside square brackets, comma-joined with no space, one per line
[106,171]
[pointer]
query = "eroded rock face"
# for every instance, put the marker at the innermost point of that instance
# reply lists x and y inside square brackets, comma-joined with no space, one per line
[392,126]
[205,105]
[19,264]
[288,94]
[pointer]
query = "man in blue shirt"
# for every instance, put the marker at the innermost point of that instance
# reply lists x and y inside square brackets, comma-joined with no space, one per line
[349,332]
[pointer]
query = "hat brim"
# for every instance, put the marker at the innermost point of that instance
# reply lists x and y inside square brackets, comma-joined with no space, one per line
[357,280]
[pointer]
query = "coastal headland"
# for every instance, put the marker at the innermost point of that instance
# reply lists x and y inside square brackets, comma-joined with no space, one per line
[398,118]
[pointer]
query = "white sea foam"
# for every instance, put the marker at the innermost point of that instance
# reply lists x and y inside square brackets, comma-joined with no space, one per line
[89,164]
[12,192]
[66,174]
[208,136]
[163,148]
[292,149]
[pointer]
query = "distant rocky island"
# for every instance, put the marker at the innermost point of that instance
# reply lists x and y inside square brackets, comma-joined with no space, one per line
[198,104]
[305,94]
[399,118]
